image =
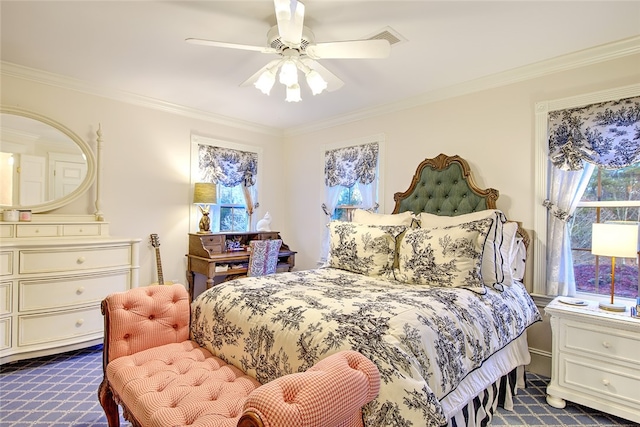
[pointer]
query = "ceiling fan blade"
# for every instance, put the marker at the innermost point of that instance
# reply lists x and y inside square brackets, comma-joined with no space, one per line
[333,81]
[213,43]
[290,17]
[357,49]
[251,80]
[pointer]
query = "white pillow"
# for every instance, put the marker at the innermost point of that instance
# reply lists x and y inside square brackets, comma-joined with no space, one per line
[362,216]
[364,249]
[493,262]
[444,256]
[508,251]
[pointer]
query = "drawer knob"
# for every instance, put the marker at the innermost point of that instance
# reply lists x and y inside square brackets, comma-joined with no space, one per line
[80,290]
[81,260]
[606,344]
[606,382]
[79,322]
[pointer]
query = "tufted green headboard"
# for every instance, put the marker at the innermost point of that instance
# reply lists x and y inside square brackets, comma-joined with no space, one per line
[444,186]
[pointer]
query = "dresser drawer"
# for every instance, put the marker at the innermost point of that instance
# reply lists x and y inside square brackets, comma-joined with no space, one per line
[36,230]
[52,260]
[611,382]
[58,326]
[6,231]
[6,300]
[81,230]
[6,263]
[70,291]
[5,333]
[610,344]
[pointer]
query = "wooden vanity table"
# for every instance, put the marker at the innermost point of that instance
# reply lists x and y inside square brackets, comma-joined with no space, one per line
[211,256]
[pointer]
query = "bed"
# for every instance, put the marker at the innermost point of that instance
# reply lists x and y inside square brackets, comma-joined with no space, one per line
[431,293]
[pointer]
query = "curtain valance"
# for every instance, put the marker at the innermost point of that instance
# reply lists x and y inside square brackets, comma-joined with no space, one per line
[606,134]
[227,166]
[349,165]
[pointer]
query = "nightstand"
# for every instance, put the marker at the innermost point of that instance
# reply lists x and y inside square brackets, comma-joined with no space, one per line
[596,358]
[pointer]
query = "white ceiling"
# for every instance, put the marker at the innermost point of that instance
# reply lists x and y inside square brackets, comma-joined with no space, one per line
[138,47]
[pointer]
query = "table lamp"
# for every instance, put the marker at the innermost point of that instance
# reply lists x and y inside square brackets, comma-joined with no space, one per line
[204,194]
[614,240]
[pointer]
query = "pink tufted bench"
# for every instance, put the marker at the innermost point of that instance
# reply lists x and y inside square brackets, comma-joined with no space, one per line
[163,379]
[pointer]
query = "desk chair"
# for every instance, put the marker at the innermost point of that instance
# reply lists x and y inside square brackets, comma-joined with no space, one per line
[263,257]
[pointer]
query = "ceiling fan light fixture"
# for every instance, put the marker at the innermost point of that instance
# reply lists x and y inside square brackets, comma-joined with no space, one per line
[289,73]
[266,81]
[316,82]
[293,93]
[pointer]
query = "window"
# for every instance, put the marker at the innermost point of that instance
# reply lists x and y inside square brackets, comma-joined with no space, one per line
[352,177]
[349,199]
[610,195]
[231,212]
[234,170]
[587,155]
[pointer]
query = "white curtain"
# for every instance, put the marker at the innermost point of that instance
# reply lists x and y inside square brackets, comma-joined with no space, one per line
[605,135]
[344,168]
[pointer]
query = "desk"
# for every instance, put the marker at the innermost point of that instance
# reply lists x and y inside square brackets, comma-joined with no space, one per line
[208,251]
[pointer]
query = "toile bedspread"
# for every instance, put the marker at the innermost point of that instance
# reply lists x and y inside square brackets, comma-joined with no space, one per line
[424,340]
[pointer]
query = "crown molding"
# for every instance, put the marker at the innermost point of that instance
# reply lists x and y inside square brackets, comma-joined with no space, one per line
[56,80]
[594,55]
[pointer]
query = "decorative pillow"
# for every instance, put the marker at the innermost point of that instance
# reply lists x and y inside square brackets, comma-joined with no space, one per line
[493,263]
[507,252]
[362,216]
[364,249]
[444,257]
[519,259]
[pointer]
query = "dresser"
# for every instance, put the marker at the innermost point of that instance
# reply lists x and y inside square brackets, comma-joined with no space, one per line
[222,256]
[595,358]
[53,275]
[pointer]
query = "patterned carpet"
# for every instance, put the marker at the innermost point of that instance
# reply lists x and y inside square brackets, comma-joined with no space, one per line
[61,391]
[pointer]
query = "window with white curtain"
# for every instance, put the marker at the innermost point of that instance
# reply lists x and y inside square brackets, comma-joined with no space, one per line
[234,169]
[588,171]
[352,177]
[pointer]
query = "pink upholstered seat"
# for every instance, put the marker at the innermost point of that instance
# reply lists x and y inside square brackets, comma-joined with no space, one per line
[163,379]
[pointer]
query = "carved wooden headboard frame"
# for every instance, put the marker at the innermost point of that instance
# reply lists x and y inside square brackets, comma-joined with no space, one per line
[444,186]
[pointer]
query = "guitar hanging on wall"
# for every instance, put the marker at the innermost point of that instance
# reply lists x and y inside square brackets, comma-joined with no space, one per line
[155,242]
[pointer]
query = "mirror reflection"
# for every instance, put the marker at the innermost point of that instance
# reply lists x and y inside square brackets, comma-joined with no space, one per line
[39,163]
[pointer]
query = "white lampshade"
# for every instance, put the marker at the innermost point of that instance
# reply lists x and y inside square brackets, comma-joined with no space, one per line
[316,82]
[266,81]
[289,73]
[615,240]
[293,93]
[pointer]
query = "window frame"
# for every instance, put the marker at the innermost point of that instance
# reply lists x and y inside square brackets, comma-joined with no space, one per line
[194,212]
[542,170]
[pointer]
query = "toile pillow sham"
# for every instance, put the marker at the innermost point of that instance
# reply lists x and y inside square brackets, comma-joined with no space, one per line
[362,216]
[444,256]
[364,249]
[496,268]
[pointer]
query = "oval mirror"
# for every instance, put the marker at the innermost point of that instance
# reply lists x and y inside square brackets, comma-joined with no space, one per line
[43,164]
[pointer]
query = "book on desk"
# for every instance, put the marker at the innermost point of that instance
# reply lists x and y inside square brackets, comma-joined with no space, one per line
[208,253]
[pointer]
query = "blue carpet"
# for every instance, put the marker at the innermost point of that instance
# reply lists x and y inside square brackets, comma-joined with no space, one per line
[62,391]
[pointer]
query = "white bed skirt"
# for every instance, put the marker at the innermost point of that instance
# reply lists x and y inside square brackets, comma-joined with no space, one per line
[499,378]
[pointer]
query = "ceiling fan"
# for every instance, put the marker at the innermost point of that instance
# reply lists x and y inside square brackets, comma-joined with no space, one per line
[297,50]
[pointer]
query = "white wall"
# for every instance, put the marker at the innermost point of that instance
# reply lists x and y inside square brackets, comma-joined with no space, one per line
[493,129]
[146,167]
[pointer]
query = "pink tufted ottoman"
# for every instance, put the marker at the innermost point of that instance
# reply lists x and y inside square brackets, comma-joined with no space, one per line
[163,379]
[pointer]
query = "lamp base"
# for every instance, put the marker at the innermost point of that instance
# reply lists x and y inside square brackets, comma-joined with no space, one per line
[612,307]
